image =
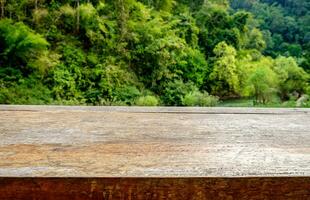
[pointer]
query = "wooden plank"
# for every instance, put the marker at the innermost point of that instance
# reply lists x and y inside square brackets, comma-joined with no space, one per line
[153,142]
[154,188]
[56,152]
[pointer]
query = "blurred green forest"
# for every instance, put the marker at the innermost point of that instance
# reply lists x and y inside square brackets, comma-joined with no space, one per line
[155,52]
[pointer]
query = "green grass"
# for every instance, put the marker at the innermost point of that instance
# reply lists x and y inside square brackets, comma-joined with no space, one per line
[250,103]
[236,103]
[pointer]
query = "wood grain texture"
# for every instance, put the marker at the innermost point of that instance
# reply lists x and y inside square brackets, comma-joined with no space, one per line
[154,188]
[39,141]
[99,153]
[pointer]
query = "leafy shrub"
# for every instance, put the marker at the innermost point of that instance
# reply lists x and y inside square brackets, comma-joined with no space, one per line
[111,102]
[65,83]
[126,94]
[175,91]
[26,91]
[197,98]
[147,101]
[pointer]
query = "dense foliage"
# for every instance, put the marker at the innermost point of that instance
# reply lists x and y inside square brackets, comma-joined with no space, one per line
[285,25]
[153,52]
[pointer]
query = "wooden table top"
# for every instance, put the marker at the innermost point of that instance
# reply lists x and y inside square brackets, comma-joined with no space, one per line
[57,141]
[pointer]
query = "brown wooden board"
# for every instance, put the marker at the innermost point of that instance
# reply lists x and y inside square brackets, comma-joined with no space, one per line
[235,152]
[154,188]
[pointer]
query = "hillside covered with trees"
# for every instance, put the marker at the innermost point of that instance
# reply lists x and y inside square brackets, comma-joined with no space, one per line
[154,52]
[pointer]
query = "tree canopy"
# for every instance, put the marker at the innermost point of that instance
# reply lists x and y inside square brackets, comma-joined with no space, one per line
[153,52]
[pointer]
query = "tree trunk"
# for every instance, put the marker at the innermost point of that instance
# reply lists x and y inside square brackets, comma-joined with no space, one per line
[122,18]
[2,8]
[78,16]
[36,5]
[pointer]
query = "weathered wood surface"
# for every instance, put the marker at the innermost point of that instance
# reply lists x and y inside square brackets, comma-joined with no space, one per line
[153,142]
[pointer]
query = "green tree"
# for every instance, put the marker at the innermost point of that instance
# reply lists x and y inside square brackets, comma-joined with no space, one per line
[217,25]
[224,75]
[262,84]
[292,78]
[255,40]
[20,46]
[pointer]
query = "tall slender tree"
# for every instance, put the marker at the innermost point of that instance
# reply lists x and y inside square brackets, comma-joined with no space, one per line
[2,2]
